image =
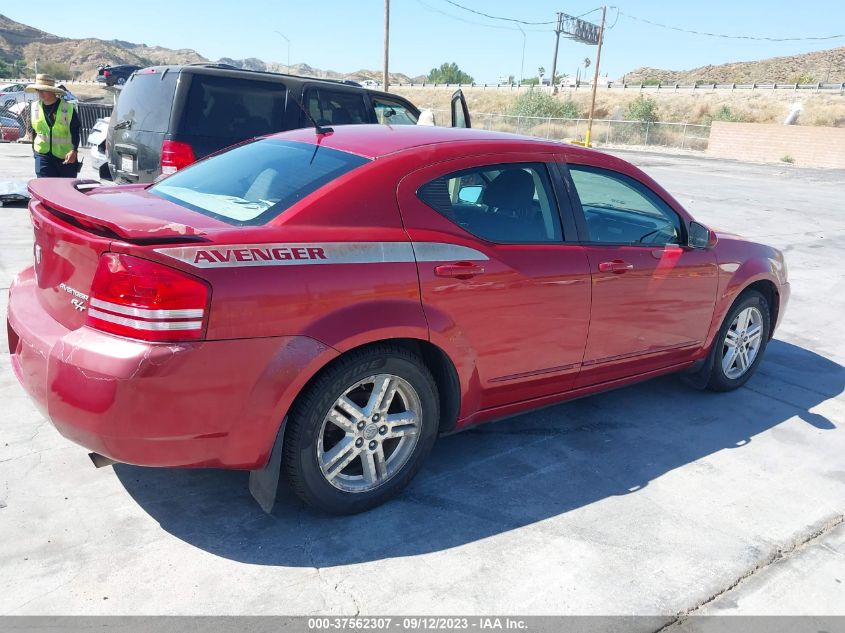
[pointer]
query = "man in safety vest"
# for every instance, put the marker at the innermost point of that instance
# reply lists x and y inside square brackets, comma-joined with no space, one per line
[55,127]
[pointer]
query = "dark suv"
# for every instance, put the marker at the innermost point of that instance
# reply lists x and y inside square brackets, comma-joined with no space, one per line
[167,117]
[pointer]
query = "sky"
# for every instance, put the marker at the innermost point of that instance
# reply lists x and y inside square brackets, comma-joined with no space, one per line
[346,36]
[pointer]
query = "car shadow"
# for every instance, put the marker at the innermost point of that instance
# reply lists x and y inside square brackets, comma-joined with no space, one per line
[499,476]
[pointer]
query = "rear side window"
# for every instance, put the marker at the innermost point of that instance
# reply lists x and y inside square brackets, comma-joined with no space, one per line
[330,107]
[508,203]
[227,107]
[253,183]
[146,101]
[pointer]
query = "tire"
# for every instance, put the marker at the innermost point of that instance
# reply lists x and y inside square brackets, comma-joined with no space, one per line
[732,370]
[120,81]
[346,450]
[105,172]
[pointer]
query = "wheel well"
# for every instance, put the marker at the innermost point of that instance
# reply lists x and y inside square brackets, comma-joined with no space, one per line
[770,291]
[438,363]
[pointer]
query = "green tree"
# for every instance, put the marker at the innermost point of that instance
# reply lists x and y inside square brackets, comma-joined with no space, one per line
[643,109]
[449,74]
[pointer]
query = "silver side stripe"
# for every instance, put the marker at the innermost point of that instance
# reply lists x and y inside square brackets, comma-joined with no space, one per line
[147,314]
[238,255]
[144,325]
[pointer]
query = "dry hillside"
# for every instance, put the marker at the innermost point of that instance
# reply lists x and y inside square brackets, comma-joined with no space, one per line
[820,66]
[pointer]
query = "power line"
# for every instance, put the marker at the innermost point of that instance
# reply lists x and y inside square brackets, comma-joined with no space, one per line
[474,23]
[496,17]
[731,37]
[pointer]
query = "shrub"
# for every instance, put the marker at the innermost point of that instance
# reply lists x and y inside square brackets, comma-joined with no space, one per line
[643,109]
[541,104]
[802,78]
[724,113]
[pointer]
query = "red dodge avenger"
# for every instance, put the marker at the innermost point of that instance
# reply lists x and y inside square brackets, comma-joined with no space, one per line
[321,305]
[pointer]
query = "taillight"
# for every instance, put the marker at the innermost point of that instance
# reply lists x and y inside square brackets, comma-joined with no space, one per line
[106,73]
[175,155]
[144,300]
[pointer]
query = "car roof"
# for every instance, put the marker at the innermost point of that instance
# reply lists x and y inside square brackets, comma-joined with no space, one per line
[226,70]
[374,141]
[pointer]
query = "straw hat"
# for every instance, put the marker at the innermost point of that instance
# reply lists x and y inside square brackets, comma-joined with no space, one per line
[45,83]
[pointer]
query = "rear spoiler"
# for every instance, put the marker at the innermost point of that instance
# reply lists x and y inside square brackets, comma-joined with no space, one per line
[70,198]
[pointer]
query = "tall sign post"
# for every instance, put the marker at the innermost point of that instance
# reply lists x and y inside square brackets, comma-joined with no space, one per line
[558,29]
[595,80]
[386,41]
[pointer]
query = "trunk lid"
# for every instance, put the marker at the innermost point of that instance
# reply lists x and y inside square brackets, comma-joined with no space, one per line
[76,221]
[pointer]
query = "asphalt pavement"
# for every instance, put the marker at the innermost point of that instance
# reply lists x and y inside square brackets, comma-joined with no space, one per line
[650,500]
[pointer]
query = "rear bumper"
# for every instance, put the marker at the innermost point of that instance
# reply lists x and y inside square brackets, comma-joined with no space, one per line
[207,404]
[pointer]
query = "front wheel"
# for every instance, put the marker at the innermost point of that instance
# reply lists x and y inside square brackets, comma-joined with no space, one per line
[360,433]
[741,342]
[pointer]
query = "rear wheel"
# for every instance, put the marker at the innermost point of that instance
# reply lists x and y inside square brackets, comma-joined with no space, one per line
[360,433]
[741,342]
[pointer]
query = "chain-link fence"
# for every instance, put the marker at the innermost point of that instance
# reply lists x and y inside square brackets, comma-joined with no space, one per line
[607,132]
[15,121]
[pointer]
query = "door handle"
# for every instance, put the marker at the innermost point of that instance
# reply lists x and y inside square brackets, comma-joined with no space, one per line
[617,266]
[460,270]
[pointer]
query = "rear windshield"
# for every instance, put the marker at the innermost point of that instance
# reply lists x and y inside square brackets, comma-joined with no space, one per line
[232,108]
[146,101]
[254,183]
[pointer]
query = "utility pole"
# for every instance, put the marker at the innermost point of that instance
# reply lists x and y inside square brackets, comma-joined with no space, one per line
[557,41]
[386,40]
[595,79]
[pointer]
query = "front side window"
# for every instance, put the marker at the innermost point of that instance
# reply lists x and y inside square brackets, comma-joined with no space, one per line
[254,183]
[620,210]
[510,203]
[329,107]
[392,112]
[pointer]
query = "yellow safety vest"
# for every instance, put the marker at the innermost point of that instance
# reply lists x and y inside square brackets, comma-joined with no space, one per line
[56,140]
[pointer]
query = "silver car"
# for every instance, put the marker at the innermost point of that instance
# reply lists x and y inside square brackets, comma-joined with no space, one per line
[10,94]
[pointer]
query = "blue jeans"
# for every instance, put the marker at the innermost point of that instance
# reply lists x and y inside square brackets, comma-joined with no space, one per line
[48,166]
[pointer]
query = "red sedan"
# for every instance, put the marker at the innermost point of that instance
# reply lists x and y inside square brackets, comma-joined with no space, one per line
[322,306]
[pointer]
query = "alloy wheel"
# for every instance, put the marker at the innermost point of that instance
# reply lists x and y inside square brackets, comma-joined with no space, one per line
[742,343]
[369,433]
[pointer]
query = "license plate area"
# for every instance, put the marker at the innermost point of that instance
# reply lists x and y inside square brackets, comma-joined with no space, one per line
[127,163]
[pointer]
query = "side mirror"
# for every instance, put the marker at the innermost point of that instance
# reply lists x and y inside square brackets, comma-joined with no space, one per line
[469,194]
[700,236]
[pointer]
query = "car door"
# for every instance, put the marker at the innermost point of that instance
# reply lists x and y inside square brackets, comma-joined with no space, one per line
[460,111]
[504,284]
[653,297]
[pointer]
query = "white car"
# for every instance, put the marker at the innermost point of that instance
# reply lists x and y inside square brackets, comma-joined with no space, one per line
[10,94]
[97,148]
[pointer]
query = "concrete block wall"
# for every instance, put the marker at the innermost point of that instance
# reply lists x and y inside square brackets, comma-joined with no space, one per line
[808,146]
